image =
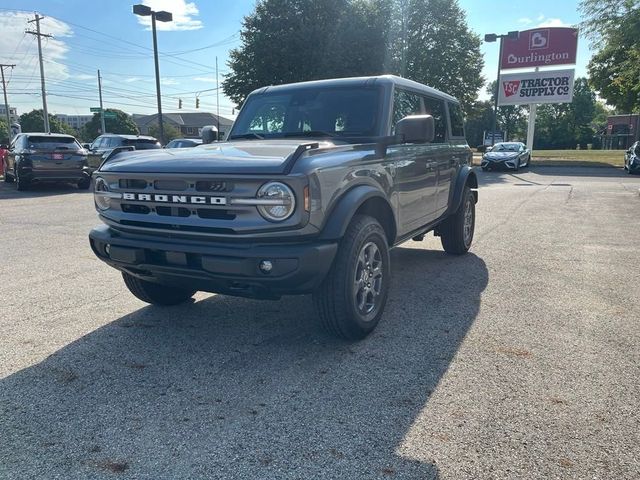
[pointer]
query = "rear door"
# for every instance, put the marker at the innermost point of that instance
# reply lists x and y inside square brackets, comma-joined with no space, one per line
[454,154]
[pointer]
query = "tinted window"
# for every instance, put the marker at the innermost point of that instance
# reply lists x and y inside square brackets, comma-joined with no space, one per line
[435,108]
[404,104]
[51,142]
[141,143]
[338,111]
[457,120]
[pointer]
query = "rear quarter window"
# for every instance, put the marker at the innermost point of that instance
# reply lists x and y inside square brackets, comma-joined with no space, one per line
[456,119]
[141,144]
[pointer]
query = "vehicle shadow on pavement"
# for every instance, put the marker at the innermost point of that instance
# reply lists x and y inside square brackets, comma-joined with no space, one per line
[8,190]
[234,388]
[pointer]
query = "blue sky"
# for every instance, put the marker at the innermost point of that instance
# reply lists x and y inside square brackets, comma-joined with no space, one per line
[105,34]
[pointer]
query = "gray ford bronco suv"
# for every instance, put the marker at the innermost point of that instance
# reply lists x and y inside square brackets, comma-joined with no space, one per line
[317,181]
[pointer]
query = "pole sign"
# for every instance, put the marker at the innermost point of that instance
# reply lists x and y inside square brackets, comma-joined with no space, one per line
[540,47]
[95,109]
[554,86]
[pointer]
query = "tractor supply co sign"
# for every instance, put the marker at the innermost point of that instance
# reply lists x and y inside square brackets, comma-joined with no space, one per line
[540,47]
[554,86]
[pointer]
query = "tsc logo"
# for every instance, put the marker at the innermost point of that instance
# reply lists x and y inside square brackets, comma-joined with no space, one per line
[538,39]
[511,88]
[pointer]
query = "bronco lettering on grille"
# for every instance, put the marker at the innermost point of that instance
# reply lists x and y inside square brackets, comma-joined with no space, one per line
[164,198]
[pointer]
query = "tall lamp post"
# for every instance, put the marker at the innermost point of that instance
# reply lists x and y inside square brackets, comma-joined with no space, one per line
[492,37]
[162,16]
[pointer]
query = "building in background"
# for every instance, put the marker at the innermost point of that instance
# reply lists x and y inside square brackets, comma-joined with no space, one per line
[622,131]
[13,113]
[189,124]
[74,121]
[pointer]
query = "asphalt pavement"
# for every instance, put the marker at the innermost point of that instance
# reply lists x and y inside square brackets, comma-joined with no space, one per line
[518,360]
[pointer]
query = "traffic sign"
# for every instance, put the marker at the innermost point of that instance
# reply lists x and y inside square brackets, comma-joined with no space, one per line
[109,114]
[95,109]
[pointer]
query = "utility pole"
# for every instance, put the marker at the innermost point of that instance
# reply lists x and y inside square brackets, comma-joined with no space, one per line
[103,129]
[6,102]
[44,95]
[217,99]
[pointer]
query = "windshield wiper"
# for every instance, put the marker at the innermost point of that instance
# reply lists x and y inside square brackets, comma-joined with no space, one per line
[310,133]
[247,135]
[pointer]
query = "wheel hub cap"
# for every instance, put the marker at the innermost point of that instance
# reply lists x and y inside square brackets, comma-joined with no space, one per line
[367,284]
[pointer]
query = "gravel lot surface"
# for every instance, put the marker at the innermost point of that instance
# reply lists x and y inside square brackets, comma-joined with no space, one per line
[518,360]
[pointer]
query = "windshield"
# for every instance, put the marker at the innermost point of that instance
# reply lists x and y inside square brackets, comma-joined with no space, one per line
[142,143]
[50,142]
[339,111]
[506,147]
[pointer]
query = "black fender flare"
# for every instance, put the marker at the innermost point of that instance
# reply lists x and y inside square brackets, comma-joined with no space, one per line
[465,175]
[339,217]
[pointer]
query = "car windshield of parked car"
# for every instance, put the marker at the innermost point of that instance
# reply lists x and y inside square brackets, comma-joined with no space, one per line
[333,112]
[506,147]
[50,142]
[142,143]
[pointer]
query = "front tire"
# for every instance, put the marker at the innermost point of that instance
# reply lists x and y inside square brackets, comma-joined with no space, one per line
[456,232]
[155,293]
[351,300]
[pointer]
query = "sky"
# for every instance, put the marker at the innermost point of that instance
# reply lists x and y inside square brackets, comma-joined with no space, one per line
[105,35]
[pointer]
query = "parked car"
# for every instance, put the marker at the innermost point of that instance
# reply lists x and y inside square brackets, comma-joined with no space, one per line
[46,157]
[632,159]
[105,144]
[183,143]
[317,181]
[510,155]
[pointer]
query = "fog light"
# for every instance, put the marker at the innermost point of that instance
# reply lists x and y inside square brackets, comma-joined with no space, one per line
[265,266]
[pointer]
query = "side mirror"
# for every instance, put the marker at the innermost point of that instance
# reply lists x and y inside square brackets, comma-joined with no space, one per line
[416,129]
[209,134]
[86,146]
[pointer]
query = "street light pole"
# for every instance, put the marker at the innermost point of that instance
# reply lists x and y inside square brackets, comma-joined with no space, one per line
[492,37]
[161,16]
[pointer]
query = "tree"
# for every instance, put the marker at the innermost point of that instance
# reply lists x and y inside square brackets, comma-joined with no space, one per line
[512,119]
[33,121]
[479,118]
[432,44]
[4,131]
[170,132]
[614,70]
[122,123]
[286,41]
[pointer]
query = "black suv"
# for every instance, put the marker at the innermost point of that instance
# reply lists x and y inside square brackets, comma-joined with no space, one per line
[109,141]
[46,157]
[317,182]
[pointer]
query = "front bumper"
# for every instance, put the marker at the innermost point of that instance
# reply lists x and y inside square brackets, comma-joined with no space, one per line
[509,163]
[634,165]
[228,268]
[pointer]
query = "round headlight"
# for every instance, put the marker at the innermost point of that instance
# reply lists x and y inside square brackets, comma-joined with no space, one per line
[101,194]
[277,201]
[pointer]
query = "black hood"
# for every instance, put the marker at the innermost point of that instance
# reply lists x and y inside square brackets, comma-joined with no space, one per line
[239,157]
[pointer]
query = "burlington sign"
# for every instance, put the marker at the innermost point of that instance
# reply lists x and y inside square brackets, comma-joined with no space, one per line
[554,86]
[540,47]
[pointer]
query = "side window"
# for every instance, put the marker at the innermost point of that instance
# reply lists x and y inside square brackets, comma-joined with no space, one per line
[97,143]
[457,120]
[404,104]
[435,108]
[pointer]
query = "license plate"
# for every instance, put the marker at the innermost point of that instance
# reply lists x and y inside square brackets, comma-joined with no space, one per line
[58,156]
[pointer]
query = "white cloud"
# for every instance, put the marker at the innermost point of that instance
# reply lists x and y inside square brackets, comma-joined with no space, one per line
[169,81]
[205,79]
[553,22]
[183,15]
[525,21]
[21,49]
[85,76]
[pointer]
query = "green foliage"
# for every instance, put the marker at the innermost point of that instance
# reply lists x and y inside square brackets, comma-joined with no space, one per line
[512,119]
[33,121]
[286,41]
[4,131]
[565,125]
[122,123]
[614,70]
[479,118]
[170,132]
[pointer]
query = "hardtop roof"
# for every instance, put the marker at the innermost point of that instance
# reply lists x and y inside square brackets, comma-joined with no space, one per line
[359,82]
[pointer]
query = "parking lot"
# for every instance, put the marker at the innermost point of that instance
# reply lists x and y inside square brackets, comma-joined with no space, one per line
[518,360]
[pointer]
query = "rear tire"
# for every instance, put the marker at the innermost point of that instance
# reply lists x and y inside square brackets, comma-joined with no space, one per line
[7,177]
[155,293]
[21,185]
[456,232]
[84,184]
[351,299]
